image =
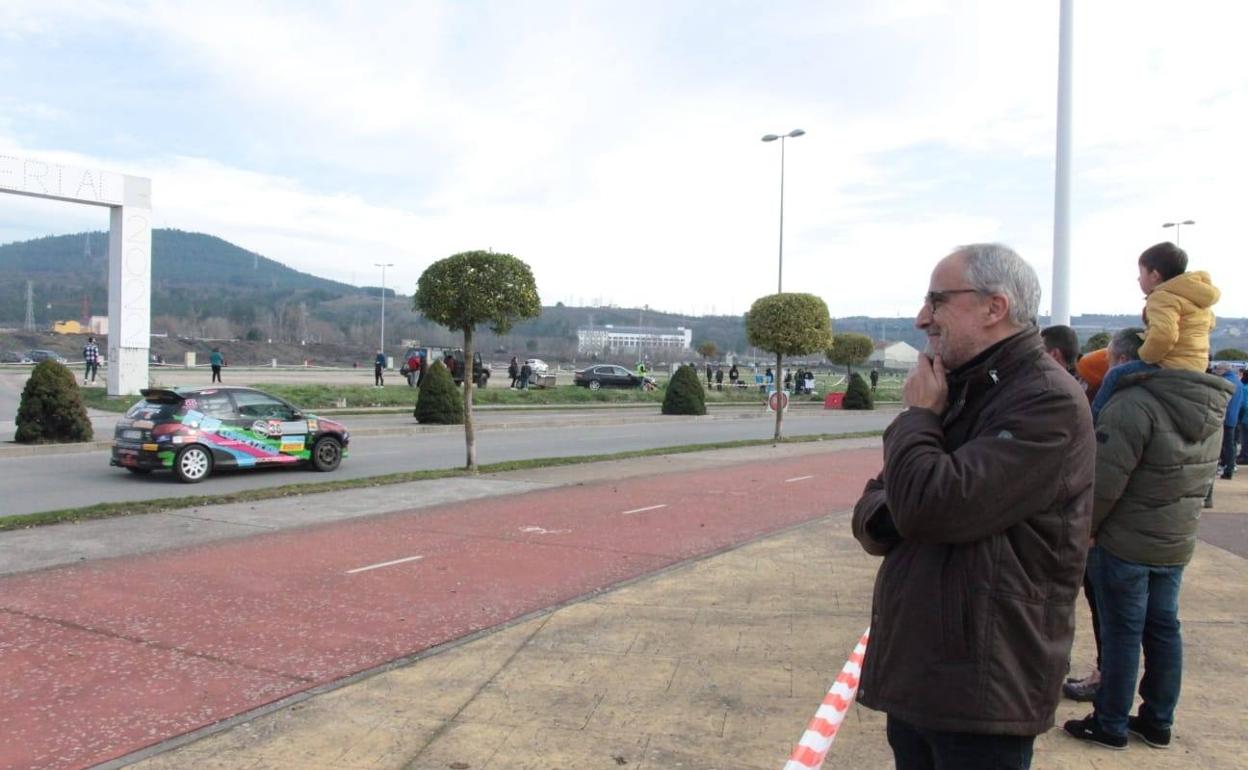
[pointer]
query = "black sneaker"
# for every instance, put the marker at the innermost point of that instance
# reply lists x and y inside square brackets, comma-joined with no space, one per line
[1090,730]
[1157,737]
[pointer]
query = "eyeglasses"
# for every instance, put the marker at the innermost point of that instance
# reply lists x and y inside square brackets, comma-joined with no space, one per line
[935,299]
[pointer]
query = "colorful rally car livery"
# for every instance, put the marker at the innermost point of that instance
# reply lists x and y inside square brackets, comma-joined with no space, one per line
[192,432]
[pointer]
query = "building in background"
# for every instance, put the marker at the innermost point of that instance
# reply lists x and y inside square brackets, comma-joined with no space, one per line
[631,339]
[893,355]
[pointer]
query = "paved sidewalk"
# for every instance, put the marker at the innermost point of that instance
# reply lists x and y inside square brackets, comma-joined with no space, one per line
[718,664]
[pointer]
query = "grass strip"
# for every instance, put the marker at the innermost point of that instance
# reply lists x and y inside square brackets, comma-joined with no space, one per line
[134,508]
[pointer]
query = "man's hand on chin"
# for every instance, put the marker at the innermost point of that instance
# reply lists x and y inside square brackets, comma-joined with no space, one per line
[926,386]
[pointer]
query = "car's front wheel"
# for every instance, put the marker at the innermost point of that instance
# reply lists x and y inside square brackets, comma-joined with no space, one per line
[192,464]
[594,384]
[326,453]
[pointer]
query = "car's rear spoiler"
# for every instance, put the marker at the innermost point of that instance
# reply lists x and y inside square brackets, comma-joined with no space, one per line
[162,395]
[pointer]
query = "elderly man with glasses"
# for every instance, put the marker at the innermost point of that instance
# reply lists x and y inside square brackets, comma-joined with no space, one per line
[982,513]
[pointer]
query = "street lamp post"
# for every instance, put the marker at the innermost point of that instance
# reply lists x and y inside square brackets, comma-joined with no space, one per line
[1178,228]
[771,138]
[382,346]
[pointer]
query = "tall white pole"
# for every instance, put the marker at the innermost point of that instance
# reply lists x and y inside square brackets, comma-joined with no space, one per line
[780,271]
[382,345]
[1061,198]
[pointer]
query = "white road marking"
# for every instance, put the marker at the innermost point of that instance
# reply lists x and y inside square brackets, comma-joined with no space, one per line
[383,564]
[647,508]
[797,478]
[544,531]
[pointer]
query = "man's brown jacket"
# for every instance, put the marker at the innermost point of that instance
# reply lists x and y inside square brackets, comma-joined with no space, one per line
[983,518]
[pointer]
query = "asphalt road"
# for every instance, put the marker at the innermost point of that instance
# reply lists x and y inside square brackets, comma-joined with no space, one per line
[52,482]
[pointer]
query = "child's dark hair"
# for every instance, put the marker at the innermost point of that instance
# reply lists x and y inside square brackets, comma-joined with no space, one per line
[1166,258]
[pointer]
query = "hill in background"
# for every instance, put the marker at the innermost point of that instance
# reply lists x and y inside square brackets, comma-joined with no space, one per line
[207,288]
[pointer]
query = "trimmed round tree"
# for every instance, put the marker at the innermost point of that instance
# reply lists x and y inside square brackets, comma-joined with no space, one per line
[788,325]
[684,393]
[1230,354]
[438,402]
[471,289]
[857,393]
[849,350]
[51,409]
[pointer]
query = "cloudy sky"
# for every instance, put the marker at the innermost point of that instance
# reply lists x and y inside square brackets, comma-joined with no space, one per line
[614,146]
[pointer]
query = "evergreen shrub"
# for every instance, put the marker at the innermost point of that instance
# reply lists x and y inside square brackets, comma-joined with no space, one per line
[1230,354]
[857,394]
[51,409]
[684,393]
[439,401]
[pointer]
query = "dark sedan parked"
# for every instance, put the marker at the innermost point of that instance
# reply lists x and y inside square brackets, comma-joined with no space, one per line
[610,376]
[193,431]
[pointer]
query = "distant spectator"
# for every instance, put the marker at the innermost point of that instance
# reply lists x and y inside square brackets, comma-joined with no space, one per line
[719,378]
[526,373]
[513,371]
[379,368]
[875,379]
[1243,420]
[1091,371]
[1230,421]
[1062,344]
[91,358]
[710,374]
[216,360]
[733,376]
[769,380]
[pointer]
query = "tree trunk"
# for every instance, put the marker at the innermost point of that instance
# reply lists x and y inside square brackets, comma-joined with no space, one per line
[470,438]
[778,381]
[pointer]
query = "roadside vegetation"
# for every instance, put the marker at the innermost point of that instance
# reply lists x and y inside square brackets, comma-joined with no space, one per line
[402,398]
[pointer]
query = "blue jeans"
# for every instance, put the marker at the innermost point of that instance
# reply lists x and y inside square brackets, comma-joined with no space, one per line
[916,748]
[1111,381]
[1137,605]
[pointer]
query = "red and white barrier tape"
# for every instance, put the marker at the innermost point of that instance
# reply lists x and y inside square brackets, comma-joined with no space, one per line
[811,750]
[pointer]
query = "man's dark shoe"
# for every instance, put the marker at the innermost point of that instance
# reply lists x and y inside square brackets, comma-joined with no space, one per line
[1088,729]
[1157,737]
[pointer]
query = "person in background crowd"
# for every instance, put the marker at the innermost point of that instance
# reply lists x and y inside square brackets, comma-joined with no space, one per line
[526,374]
[733,376]
[91,358]
[719,378]
[216,361]
[1157,443]
[1242,457]
[1062,344]
[1230,421]
[982,513]
[379,367]
[875,378]
[1091,371]
[513,371]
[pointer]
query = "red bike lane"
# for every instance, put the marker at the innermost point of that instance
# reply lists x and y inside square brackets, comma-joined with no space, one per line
[101,659]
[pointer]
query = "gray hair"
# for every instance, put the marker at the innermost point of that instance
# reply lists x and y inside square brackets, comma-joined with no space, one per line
[993,268]
[1126,342]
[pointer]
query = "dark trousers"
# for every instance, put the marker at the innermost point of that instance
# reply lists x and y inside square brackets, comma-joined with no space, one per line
[915,748]
[1243,444]
[1139,607]
[92,368]
[1228,451]
[1089,593]
[216,372]
[377,378]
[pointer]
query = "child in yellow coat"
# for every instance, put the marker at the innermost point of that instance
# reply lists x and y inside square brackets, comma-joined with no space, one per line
[1177,313]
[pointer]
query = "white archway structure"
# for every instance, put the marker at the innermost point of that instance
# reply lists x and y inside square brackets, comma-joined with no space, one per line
[129,199]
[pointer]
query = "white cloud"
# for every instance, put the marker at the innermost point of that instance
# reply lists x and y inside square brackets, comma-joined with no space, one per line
[617,150]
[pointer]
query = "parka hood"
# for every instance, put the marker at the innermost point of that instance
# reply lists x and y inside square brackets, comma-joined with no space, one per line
[1196,287]
[1194,400]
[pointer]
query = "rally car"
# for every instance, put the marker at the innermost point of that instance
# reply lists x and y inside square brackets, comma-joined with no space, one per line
[192,432]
